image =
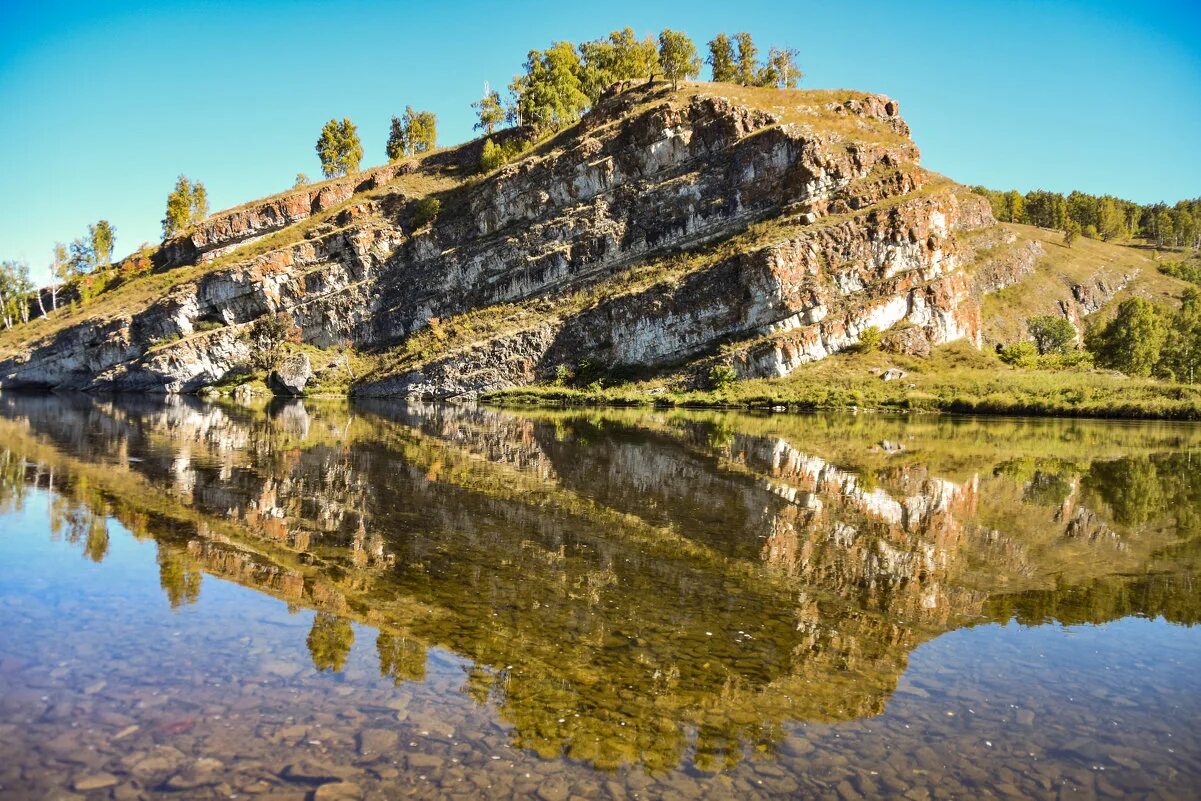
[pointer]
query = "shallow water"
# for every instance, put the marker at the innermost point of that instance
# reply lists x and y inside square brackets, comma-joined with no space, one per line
[396,600]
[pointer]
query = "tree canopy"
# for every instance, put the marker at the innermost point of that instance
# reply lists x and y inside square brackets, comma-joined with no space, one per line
[490,110]
[721,59]
[339,148]
[677,57]
[103,237]
[187,204]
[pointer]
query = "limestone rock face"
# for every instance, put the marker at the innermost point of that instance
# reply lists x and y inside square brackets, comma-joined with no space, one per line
[291,376]
[661,227]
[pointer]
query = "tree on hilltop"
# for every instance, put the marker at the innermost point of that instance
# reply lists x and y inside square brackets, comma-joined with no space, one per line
[60,272]
[103,238]
[490,111]
[421,131]
[677,57]
[339,148]
[187,205]
[721,59]
[619,57]
[397,141]
[15,287]
[415,132]
[780,70]
[748,59]
[550,93]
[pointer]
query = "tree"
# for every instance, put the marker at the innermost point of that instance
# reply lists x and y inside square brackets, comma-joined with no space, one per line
[187,205]
[1051,333]
[1164,229]
[1182,349]
[60,272]
[1014,207]
[677,57]
[102,237]
[748,59]
[421,131]
[619,57]
[15,287]
[550,93]
[268,336]
[339,148]
[489,110]
[721,59]
[301,179]
[1133,340]
[1111,222]
[81,259]
[397,143]
[1071,233]
[415,132]
[781,70]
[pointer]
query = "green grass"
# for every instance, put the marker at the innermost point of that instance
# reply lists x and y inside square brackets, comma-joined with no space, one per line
[956,378]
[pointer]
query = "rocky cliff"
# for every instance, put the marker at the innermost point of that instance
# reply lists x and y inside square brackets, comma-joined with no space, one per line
[770,227]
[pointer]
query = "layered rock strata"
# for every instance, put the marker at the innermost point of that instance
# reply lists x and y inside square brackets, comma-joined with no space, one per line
[662,227]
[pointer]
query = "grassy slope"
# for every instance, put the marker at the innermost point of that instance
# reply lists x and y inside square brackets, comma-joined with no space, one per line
[1088,260]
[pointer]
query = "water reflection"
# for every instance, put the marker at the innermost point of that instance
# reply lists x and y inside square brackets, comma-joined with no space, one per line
[629,588]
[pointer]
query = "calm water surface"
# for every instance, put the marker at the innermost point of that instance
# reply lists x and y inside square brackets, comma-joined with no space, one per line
[398,600]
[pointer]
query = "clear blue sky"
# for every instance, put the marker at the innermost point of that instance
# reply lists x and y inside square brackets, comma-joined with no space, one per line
[103,104]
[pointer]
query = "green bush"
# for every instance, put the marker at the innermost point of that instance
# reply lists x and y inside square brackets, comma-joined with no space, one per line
[491,157]
[1020,354]
[564,375]
[427,210]
[869,340]
[722,376]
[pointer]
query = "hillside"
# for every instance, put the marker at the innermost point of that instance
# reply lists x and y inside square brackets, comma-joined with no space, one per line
[665,232]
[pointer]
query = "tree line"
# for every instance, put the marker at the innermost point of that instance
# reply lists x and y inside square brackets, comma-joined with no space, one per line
[1103,217]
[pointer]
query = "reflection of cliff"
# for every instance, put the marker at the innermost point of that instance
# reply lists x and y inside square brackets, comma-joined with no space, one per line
[618,582]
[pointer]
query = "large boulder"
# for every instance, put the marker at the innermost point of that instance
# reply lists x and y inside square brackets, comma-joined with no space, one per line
[290,377]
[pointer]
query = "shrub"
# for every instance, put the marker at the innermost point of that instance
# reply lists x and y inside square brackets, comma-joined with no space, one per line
[427,210]
[869,340]
[491,157]
[1020,354]
[722,376]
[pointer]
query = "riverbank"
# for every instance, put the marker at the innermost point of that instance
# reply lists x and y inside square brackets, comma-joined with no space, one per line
[954,379]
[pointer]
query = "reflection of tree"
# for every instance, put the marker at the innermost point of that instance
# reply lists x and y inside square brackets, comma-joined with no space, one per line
[401,658]
[1047,489]
[1131,487]
[1175,598]
[95,545]
[178,574]
[329,641]
[12,481]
